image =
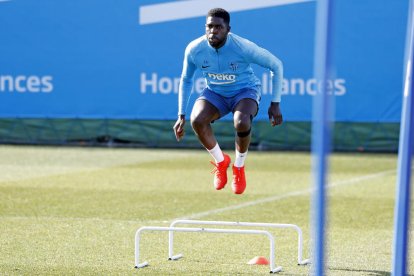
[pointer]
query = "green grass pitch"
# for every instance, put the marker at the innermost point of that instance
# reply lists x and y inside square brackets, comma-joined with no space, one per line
[74,211]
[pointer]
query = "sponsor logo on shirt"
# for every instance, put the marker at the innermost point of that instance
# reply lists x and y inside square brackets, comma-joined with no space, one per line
[221,78]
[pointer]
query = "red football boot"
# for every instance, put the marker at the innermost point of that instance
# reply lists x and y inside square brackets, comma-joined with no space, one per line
[220,172]
[239,180]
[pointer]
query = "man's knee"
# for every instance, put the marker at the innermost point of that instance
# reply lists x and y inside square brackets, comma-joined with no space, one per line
[198,121]
[243,122]
[195,122]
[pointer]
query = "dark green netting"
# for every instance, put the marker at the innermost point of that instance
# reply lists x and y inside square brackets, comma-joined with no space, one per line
[373,137]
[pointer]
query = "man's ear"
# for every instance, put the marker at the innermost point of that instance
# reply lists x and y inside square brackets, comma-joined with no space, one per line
[229,28]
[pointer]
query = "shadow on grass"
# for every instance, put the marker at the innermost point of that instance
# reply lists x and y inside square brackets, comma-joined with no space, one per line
[364,271]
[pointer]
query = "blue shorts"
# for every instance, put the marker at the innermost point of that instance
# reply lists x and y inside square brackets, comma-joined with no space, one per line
[226,105]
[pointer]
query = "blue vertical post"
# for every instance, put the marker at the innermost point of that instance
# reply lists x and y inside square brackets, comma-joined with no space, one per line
[321,135]
[405,151]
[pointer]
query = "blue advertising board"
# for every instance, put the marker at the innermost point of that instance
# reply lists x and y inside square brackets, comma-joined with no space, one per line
[122,59]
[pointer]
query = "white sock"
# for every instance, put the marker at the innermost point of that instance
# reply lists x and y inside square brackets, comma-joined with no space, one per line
[216,153]
[240,157]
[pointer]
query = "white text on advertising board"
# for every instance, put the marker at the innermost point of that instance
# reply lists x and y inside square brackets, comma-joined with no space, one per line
[152,83]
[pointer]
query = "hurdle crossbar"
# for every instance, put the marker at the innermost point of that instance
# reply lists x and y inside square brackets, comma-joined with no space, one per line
[273,268]
[231,223]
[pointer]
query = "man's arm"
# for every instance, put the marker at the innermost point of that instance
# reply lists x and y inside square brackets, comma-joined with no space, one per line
[184,92]
[186,81]
[274,112]
[264,58]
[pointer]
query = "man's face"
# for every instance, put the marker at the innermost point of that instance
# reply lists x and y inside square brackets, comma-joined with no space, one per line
[216,31]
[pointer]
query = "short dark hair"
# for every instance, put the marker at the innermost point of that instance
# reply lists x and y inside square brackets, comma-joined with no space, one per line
[219,12]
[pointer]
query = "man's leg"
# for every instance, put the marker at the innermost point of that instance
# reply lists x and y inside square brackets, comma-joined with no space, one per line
[244,112]
[201,117]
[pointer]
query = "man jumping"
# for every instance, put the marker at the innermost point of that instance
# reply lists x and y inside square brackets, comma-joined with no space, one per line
[225,60]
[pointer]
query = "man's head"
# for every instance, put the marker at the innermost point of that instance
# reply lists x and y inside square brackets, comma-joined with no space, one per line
[217,27]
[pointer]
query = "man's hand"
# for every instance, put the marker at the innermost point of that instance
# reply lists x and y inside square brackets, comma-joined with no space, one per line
[179,127]
[275,115]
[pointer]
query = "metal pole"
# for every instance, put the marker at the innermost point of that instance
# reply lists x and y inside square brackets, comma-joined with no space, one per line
[321,129]
[402,203]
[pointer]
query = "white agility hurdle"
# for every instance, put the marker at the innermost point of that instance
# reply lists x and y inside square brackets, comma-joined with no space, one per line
[273,268]
[171,255]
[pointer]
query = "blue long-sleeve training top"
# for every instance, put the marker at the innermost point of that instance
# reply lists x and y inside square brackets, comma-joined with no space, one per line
[227,69]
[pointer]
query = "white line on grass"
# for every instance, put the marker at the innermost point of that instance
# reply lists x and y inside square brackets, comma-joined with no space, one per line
[82,219]
[283,196]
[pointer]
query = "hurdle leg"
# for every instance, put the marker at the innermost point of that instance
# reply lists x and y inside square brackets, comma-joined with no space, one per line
[300,249]
[137,239]
[273,269]
[171,256]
